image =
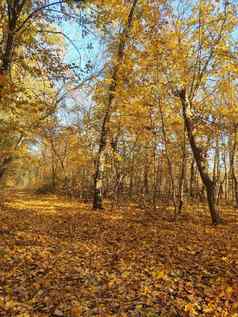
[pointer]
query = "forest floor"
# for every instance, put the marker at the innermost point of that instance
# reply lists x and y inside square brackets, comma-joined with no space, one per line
[60,258]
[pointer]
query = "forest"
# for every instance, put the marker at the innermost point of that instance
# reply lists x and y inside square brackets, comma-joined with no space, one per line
[118,158]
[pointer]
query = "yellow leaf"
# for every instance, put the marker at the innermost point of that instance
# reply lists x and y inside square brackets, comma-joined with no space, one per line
[125,274]
[159,275]
[229,290]
[146,290]
[209,309]
[76,310]
[190,309]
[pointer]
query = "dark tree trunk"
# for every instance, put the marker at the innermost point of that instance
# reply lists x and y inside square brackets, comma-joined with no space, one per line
[146,182]
[6,60]
[4,165]
[232,167]
[13,13]
[182,175]
[200,160]
[192,174]
[98,180]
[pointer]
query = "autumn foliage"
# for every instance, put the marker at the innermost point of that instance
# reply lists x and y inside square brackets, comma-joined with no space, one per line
[118,158]
[60,259]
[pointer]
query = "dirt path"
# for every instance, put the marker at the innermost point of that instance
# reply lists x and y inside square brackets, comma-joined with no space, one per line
[59,258]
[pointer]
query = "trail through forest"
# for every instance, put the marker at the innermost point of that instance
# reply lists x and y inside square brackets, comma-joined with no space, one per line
[60,258]
[119,124]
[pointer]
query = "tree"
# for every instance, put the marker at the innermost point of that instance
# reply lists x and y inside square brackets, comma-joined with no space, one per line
[189,51]
[100,160]
[28,52]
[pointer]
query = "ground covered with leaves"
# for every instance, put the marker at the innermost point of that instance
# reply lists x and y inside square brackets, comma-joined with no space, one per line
[60,258]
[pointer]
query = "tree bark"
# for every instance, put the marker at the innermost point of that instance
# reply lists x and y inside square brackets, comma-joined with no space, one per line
[182,175]
[232,166]
[4,165]
[191,181]
[145,176]
[200,161]
[6,60]
[14,9]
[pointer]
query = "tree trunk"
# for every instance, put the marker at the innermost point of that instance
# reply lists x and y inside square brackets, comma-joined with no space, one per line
[100,160]
[200,160]
[157,164]
[232,166]
[13,13]
[145,176]
[182,175]
[169,162]
[98,180]
[192,174]
[4,165]
[223,180]
[6,61]
[216,169]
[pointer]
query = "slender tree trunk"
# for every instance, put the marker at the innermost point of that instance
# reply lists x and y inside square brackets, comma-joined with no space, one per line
[145,176]
[192,174]
[100,160]
[200,160]
[98,189]
[156,173]
[221,187]
[236,192]
[170,166]
[225,177]
[4,166]
[182,175]
[53,171]
[216,169]
[131,178]
[232,166]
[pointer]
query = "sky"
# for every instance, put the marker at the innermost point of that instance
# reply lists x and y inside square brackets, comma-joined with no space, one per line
[85,53]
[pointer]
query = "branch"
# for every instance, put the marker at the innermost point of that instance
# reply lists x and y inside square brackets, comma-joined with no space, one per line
[64,35]
[32,14]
